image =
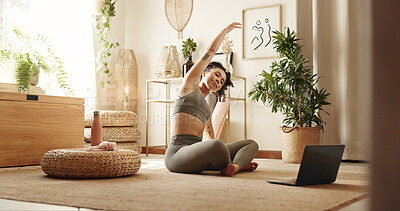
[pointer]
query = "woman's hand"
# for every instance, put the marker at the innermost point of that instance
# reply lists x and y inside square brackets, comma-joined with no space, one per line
[232,26]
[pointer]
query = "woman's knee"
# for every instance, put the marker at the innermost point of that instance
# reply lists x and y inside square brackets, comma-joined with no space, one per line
[218,146]
[251,144]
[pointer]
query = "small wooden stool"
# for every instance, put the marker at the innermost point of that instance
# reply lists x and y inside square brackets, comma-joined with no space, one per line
[80,163]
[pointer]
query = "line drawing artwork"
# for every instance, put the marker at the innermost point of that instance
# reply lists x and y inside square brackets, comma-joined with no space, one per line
[269,32]
[259,23]
[258,39]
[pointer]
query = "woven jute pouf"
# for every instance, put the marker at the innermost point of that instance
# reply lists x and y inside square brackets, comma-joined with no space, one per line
[116,134]
[131,146]
[114,118]
[80,163]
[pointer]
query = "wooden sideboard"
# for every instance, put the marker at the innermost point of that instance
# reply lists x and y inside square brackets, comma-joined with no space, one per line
[31,125]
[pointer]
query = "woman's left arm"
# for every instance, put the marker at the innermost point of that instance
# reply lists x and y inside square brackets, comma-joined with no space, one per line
[208,132]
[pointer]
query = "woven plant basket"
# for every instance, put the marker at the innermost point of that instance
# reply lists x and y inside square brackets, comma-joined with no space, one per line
[116,134]
[134,146]
[294,142]
[80,163]
[114,118]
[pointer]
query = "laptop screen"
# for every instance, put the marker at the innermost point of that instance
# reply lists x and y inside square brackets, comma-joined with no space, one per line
[320,164]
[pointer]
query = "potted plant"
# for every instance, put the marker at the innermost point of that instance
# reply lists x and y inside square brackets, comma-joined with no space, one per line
[188,47]
[290,88]
[29,56]
[103,28]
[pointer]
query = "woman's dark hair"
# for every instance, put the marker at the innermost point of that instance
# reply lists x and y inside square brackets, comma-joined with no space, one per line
[221,92]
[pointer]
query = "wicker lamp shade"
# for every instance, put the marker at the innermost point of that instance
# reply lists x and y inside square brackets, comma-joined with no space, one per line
[168,63]
[126,81]
[178,13]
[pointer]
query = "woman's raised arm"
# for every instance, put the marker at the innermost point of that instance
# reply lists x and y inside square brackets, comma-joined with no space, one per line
[191,81]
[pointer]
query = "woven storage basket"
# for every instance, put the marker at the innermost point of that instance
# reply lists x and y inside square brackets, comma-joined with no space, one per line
[116,134]
[131,146]
[113,118]
[80,163]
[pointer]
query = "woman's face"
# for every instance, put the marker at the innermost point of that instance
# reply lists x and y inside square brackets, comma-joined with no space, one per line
[214,79]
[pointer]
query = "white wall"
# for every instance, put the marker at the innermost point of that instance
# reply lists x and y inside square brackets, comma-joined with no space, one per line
[147,30]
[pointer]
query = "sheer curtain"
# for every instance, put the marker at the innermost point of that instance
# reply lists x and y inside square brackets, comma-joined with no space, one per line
[68,25]
[342,55]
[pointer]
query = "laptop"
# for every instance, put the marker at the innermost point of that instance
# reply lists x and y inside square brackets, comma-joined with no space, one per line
[319,165]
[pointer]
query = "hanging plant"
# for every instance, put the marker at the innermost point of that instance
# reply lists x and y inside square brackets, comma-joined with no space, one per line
[103,30]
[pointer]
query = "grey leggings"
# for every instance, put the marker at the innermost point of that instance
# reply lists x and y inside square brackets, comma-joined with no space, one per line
[189,154]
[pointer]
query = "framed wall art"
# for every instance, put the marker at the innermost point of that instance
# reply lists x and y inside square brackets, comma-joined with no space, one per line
[258,25]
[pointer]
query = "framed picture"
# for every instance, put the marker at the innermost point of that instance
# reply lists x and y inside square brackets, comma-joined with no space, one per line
[258,25]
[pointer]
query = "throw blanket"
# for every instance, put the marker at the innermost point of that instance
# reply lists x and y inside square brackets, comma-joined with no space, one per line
[104,146]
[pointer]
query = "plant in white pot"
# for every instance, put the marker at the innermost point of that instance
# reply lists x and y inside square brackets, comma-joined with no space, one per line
[290,88]
[28,55]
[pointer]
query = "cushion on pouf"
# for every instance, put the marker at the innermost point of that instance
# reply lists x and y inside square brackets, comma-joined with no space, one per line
[80,163]
[123,145]
[113,118]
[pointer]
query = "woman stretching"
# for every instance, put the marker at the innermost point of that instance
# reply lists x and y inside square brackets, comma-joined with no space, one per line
[187,153]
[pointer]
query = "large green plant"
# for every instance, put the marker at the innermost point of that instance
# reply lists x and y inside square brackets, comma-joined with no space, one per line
[188,47]
[103,30]
[29,55]
[290,87]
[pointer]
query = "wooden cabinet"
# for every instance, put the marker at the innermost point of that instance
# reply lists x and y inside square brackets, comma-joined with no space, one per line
[31,125]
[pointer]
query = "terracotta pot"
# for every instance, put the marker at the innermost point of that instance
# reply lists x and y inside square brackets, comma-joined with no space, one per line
[294,142]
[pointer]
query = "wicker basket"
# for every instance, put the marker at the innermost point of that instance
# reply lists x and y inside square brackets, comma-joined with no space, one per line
[80,163]
[114,118]
[116,134]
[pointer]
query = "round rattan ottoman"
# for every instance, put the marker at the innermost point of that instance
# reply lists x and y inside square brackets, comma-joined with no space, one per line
[80,163]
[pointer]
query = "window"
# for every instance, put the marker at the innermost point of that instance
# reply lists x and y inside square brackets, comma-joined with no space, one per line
[68,25]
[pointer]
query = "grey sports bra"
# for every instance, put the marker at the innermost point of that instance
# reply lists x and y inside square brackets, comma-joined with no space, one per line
[194,104]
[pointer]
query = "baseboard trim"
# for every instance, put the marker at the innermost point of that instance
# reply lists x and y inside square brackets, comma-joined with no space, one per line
[269,154]
[266,154]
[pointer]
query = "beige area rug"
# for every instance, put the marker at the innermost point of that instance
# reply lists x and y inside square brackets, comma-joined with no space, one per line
[155,188]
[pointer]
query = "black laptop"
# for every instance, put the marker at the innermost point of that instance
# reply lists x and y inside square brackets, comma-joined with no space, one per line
[319,165]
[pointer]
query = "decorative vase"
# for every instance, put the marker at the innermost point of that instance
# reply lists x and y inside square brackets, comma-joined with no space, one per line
[186,67]
[168,64]
[35,76]
[126,81]
[294,141]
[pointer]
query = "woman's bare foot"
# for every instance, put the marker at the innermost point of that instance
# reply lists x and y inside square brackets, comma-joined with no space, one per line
[250,167]
[230,169]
